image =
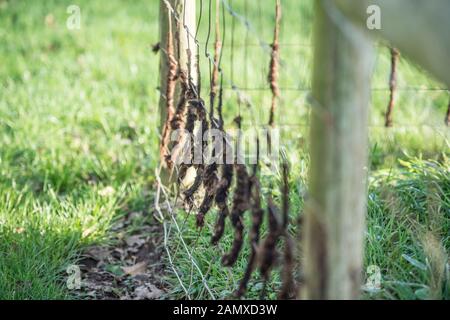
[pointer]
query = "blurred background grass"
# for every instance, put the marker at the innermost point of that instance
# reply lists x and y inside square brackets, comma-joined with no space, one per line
[78,116]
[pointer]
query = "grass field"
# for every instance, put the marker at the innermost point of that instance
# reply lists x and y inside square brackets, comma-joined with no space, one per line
[79,137]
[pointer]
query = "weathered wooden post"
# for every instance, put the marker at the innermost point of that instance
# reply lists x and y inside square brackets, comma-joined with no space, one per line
[335,210]
[334,214]
[180,26]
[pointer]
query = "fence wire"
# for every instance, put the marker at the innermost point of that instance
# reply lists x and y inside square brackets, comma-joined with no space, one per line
[246,26]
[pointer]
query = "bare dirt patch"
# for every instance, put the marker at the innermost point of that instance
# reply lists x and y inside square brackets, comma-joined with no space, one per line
[130,267]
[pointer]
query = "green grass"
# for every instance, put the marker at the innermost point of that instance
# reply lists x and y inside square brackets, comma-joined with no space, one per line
[78,115]
[74,120]
[408,230]
[407,238]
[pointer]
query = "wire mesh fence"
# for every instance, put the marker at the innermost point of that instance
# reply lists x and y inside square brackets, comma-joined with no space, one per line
[246,31]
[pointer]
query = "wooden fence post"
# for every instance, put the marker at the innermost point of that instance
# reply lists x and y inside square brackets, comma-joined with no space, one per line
[184,29]
[336,207]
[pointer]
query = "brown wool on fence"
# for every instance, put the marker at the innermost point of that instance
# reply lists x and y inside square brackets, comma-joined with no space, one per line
[220,104]
[221,198]
[193,102]
[287,288]
[189,193]
[226,178]
[215,75]
[285,194]
[392,87]
[200,168]
[257,218]
[210,178]
[178,120]
[216,59]
[199,74]
[239,206]
[172,66]
[274,64]
[156,47]
[205,127]
[191,118]
[268,249]
[238,121]
[210,181]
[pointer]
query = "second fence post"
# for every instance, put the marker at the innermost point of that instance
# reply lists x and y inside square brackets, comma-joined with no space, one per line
[336,207]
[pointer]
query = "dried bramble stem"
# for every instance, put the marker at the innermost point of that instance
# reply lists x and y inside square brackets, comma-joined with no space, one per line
[172,66]
[274,64]
[287,289]
[257,218]
[240,205]
[392,86]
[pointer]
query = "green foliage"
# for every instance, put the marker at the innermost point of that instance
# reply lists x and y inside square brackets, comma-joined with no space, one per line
[74,123]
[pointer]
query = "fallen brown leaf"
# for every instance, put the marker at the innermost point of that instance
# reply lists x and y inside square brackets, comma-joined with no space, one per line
[147,292]
[138,268]
[98,253]
[135,241]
